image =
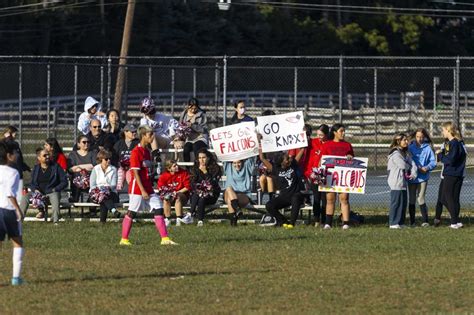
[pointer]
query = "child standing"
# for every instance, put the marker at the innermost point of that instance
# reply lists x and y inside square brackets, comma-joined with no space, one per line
[141,193]
[10,214]
[400,168]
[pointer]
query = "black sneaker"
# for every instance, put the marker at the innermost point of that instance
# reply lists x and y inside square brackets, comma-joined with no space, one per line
[268,220]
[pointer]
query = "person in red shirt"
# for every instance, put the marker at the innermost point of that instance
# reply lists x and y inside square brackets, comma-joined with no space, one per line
[55,152]
[338,147]
[179,179]
[314,158]
[140,191]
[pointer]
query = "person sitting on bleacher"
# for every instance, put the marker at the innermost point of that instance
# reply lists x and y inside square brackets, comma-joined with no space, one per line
[238,186]
[175,181]
[103,181]
[205,175]
[122,151]
[56,152]
[81,160]
[99,139]
[49,179]
[92,111]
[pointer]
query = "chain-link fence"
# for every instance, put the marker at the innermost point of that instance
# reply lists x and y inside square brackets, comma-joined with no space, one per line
[374,97]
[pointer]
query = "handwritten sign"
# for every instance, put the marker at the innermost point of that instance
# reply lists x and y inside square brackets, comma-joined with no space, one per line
[282,132]
[235,142]
[344,176]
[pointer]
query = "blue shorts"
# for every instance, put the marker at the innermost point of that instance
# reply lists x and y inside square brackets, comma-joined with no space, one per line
[9,224]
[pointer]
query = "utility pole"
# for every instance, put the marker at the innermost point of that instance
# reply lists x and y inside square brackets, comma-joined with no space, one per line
[127,31]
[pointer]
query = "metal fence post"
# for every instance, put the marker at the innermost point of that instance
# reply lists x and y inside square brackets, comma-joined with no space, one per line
[216,90]
[341,65]
[172,92]
[375,117]
[102,86]
[20,100]
[194,82]
[48,96]
[149,81]
[224,92]
[457,117]
[109,79]
[295,97]
[75,101]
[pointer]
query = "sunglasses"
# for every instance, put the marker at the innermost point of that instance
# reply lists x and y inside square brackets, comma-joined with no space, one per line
[85,142]
[106,159]
[45,155]
[95,127]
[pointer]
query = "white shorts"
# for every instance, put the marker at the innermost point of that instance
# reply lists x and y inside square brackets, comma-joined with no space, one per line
[138,204]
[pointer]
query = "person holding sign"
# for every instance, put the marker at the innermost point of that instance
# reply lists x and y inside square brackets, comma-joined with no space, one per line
[338,147]
[290,184]
[400,168]
[238,186]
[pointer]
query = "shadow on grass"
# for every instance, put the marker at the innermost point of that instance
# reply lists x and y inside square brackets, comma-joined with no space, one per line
[260,239]
[164,275]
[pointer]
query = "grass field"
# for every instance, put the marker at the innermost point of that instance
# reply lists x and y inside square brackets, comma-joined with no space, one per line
[80,268]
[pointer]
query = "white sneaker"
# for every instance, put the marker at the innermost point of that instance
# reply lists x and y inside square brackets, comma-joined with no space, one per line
[460,225]
[454,226]
[179,221]
[187,219]
[425,224]
[327,227]
[395,226]
[317,224]
[200,223]
[346,227]
[167,222]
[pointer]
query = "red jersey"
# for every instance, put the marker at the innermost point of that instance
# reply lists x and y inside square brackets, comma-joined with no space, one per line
[314,156]
[341,148]
[179,178]
[140,159]
[62,161]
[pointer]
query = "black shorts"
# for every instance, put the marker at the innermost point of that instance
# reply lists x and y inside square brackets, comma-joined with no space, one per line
[9,224]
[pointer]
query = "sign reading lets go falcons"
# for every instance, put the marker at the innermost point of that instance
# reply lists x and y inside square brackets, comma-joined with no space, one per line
[343,175]
[235,142]
[282,132]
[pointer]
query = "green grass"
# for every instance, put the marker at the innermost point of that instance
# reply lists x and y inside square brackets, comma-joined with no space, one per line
[80,268]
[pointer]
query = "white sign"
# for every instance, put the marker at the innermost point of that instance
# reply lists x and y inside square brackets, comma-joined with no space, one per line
[343,175]
[282,132]
[235,142]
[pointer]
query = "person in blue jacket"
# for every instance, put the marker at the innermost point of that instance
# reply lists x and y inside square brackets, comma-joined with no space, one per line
[453,157]
[421,150]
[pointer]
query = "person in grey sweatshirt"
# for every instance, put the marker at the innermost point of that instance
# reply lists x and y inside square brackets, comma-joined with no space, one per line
[401,168]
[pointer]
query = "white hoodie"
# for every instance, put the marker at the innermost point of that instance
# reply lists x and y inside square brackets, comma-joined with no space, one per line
[85,118]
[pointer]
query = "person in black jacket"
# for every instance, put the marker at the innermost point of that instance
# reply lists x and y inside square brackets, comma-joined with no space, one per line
[49,179]
[205,169]
[453,157]
[240,115]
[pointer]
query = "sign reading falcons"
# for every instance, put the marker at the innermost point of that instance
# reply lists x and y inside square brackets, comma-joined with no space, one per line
[343,175]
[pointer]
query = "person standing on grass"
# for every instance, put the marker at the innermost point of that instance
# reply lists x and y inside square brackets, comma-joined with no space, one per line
[11,215]
[453,157]
[290,185]
[421,151]
[49,179]
[205,168]
[178,180]
[141,194]
[238,186]
[104,176]
[319,198]
[337,146]
[400,168]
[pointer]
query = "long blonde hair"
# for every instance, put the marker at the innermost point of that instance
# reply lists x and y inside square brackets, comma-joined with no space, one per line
[453,130]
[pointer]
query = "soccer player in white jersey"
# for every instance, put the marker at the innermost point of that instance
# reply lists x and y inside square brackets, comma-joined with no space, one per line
[10,213]
[140,190]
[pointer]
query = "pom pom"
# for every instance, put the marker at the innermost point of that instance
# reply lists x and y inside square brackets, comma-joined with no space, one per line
[167,192]
[318,176]
[125,162]
[204,188]
[37,200]
[99,194]
[83,180]
[183,131]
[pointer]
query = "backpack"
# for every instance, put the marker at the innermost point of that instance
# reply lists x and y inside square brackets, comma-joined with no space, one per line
[354,218]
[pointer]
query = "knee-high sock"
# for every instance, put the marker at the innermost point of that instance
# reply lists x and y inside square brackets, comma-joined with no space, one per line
[161,226]
[126,226]
[424,212]
[17,260]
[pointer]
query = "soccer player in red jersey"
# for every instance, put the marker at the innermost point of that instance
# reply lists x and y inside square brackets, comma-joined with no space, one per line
[141,193]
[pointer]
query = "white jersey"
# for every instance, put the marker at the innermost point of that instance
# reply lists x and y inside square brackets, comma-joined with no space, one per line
[163,125]
[9,183]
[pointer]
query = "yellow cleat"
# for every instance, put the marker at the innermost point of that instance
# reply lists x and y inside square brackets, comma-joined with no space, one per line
[167,241]
[125,242]
[288,226]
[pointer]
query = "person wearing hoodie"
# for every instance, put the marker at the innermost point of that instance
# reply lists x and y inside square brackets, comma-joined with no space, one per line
[195,118]
[92,110]
[453,157]
[421,150]
[400,168]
